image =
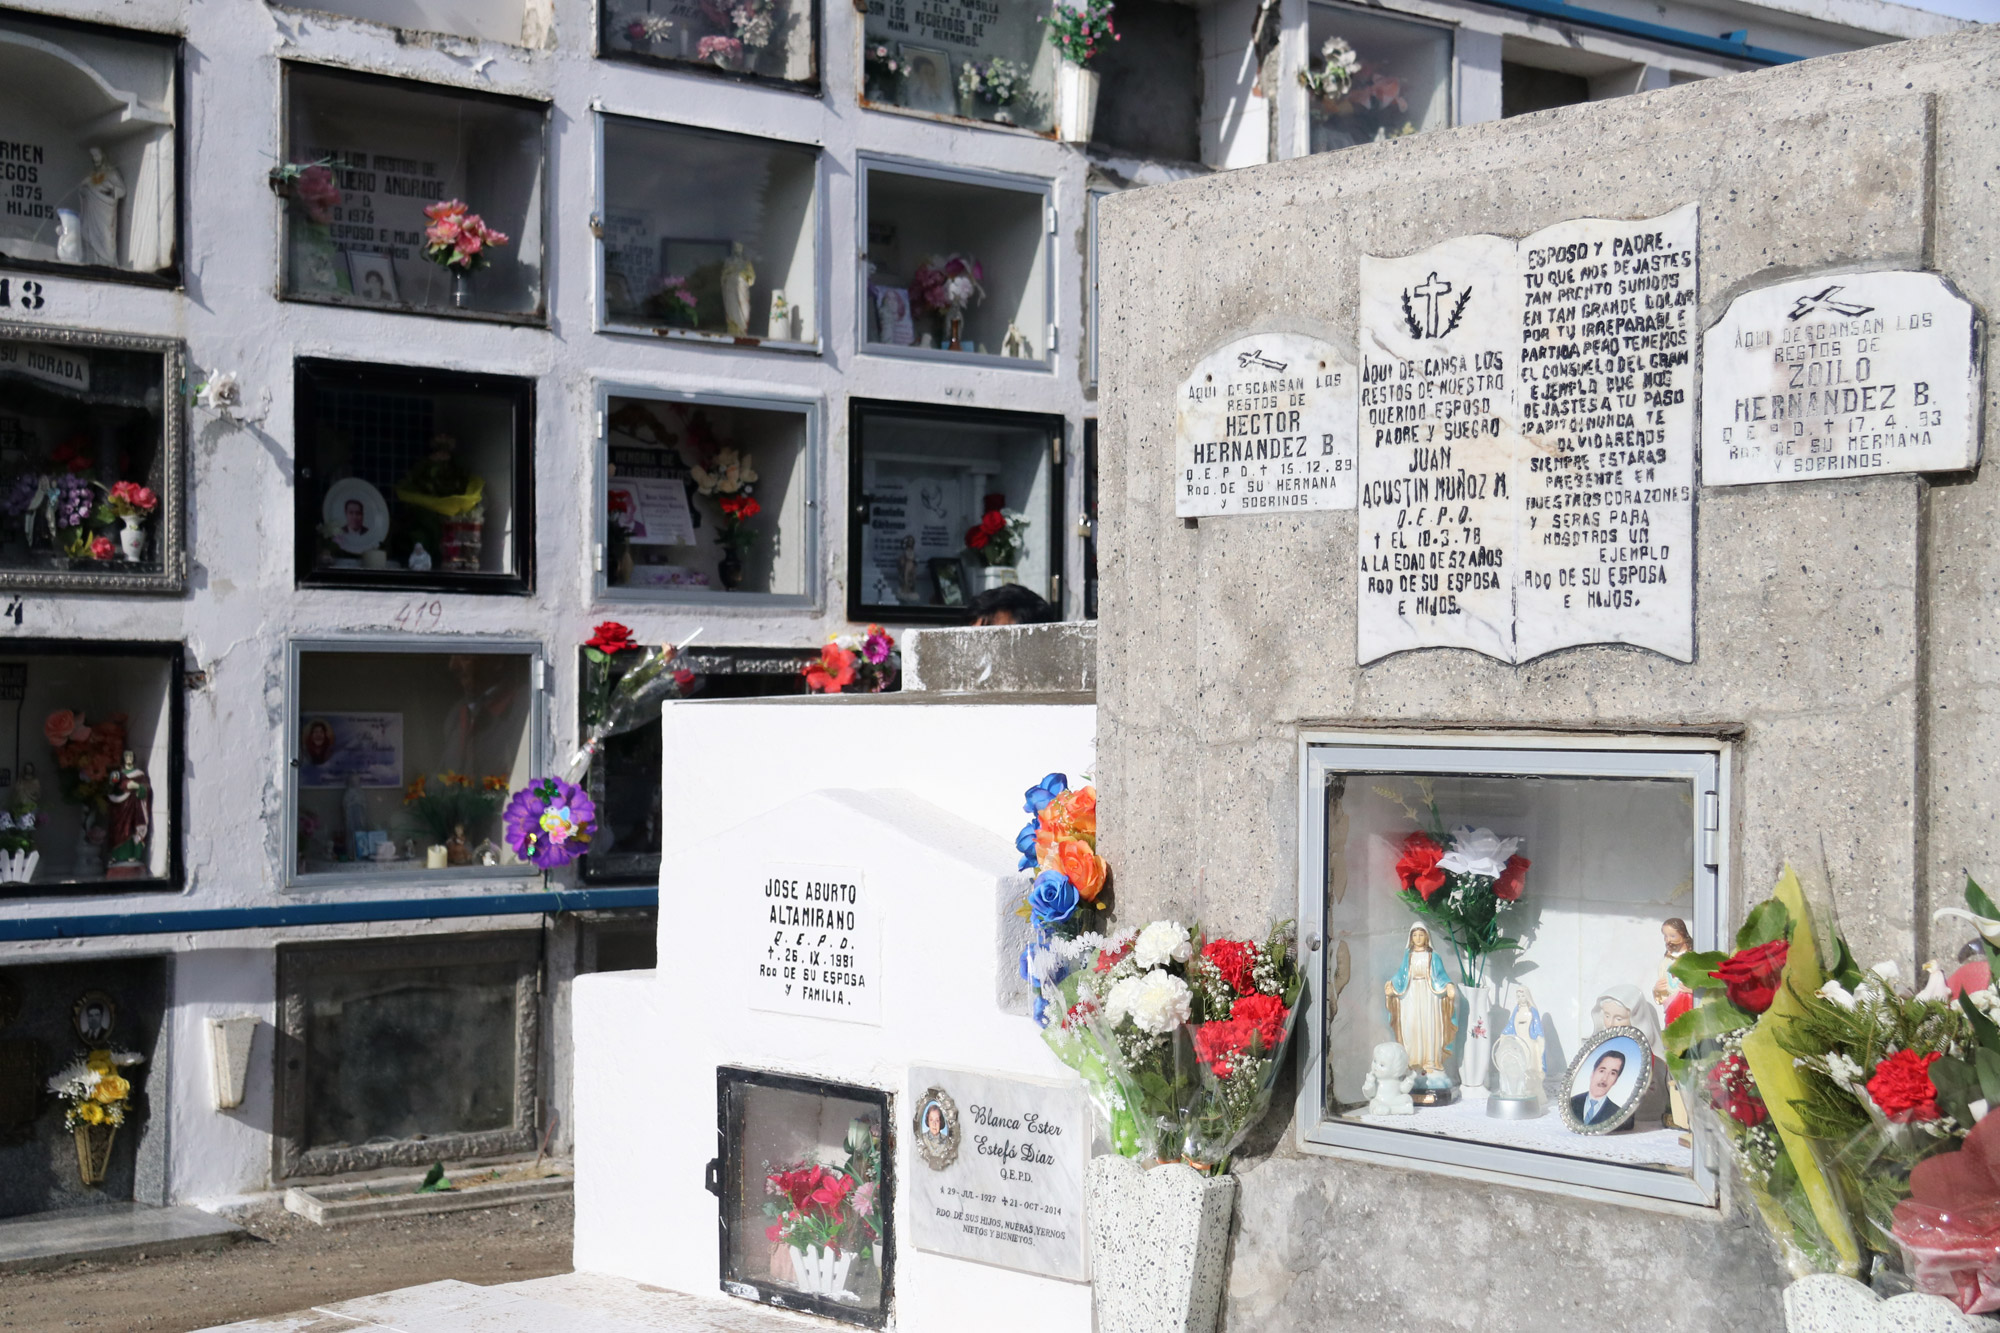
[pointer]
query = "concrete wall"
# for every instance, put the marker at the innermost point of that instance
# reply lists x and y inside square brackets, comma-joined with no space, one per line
[1843,627]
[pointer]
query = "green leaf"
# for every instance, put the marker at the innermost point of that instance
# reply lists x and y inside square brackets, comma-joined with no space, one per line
[1503,943]
[1976,899]
[1768,920]
[1983,1031]
[1987,1064]
[1704,1021]
[1692,969]
[1958,1087]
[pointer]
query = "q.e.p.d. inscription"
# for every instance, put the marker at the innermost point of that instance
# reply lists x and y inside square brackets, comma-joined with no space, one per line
[813,943]
[1265,423]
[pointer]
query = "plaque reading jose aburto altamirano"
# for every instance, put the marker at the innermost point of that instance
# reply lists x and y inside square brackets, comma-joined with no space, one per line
[1526,441]
[1265,423]
[813,943]
[1841,375]
[1010,1187]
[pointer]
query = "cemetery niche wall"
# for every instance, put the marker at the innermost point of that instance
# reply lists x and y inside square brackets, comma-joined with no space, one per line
[709,235]
[89,159]
[92,445]
[771,41]
[960,59]
[411,197]
[1372,77]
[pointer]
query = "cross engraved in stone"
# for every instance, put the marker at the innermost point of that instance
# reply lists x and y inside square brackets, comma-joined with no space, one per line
[1433,292]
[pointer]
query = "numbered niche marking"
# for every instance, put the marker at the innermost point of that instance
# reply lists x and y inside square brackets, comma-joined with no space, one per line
[420,616]
[24,294]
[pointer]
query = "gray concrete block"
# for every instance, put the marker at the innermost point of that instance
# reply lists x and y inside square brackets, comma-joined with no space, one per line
[108,1231]
[1003,659]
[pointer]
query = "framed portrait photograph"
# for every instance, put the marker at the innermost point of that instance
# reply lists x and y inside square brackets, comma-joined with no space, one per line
[927,80]
[374,278]
[1609,1076]
[936,1128]
[949,576]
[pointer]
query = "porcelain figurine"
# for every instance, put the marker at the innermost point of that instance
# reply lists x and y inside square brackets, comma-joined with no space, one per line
[99,194]
[131,801]
[69,237]
[738,276]
[420,559]
[1525,1022]
[1514,1064]
[1423,1007]
[1389,1080]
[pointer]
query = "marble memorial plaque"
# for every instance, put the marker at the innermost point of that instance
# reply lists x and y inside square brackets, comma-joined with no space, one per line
[1841,375]
[1265,423]
[814,943]
[1526,441]
[995,1171]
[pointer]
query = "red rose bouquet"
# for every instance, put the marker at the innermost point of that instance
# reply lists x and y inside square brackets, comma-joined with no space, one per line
[998,536]
[624,684]
[1460,882]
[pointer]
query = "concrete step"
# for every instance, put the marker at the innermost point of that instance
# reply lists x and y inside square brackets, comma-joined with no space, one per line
[108,1231]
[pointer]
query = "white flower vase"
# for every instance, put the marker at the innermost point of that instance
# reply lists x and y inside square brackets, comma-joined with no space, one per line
[1479,1034]
[1157,1245]
[18,867]
[822,1272]
[992,576]
[1076,102]
[132,538]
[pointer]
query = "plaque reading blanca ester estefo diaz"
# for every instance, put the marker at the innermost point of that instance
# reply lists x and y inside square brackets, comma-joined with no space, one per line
[1841,375]
[814,943]
[1265,423]
[1526,450]
[995,1170]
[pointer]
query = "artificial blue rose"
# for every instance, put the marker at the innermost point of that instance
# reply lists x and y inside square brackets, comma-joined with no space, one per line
[1050,787]
[1052,900]
[1024,842]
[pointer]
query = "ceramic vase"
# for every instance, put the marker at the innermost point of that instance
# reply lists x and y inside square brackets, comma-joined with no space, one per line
[1076,102]
[93,1151]
[1158,1240]
[461,287]
[1479,1032]
[730,570]
[992,576]
[822,1272]
[18,867]
[132,538]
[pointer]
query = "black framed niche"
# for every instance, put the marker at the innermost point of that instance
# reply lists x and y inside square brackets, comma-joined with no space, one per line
[773,42]
[770,1124]
[624,777]
[92,448]
[923,480]
[89,151]
[412,479]
[91,737]
[366,157]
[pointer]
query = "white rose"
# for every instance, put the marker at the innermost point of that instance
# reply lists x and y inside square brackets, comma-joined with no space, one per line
[1477,851]
[1161,943]
[1155,1001]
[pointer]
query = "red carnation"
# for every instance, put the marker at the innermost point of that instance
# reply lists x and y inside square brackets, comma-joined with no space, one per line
[1417,867]
[1751,975]
[1732,1091]
[1217,1044]
[1234,960]
[610,637]
[1513,877]
[1902,1087]
[1265,1015]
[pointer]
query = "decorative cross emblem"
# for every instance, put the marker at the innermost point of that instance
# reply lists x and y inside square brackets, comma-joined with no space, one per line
[1433,293]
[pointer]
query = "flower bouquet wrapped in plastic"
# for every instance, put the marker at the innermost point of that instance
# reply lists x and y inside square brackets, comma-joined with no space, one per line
[613,706]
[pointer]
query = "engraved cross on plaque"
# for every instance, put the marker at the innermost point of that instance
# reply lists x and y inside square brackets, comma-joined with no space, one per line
[1433,293]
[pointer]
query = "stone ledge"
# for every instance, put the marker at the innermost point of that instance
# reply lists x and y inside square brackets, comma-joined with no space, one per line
[1003,659]
[37,1241]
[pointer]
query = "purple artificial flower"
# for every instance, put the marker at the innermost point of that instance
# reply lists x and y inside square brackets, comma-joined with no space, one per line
[549,822]
[73,501]
[876,648]
[19,494]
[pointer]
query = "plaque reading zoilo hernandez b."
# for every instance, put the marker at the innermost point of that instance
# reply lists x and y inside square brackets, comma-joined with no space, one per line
[1265,423]
[1841,375]
[995,1171]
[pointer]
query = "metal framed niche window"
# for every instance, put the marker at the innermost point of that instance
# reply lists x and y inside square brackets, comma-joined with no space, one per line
[1625,841]
[778,48]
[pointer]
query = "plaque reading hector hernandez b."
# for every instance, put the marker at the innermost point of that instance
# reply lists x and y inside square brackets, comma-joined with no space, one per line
[1265,423]
[1841,375]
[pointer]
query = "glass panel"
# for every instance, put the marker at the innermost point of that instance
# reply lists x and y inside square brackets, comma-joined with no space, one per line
[940,57]
[766,39]
[710,232]
[365,158]
[706,496]
[517,22]
[410,477]
[82,459]
[829,1253]
[1607,888]
[77,811]
[87,149]
[1526,89]
[399,753]
[1377,78]
[408,1052]
[1149,99]
[928,236]
[927,482]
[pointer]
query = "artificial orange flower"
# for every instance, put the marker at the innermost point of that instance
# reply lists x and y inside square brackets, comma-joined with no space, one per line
[1084,868]
[415,791]
[493,782]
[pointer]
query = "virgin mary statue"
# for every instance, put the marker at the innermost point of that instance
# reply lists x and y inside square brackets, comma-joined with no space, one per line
[1423,1004]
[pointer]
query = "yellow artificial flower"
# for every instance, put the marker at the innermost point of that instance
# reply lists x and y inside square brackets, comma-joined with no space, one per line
[99,1062]
[494,782]
[90,1113]
[111,1088]
[453,779]
[414,792]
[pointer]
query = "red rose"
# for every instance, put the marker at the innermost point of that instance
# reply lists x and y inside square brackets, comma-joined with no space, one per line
[994,500]
[976,538]
[1682,1001]
[1732,1091]
[1752,975]
[1512,879]
[1417,867]
[1902,1087]
[993,522]
[1234,960]
[1265,1015]
[610,637]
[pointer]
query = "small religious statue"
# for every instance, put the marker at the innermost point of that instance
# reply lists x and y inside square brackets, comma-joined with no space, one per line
[1525,1022]
[131,800]
[1015,343]
[69,237]
[906,571]
[738,276]
[457,850]
[420,559]
[1389,1080]
[1423,1009]
[98,196]
[18,856]
[1679,940]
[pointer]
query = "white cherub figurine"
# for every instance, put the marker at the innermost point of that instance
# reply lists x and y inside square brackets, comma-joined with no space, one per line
[1387,1086]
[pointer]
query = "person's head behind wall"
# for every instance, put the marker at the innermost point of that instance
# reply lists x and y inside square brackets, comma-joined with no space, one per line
[1010,604]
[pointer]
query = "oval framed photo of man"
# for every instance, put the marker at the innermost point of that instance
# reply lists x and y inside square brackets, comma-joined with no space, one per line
[1607,1080]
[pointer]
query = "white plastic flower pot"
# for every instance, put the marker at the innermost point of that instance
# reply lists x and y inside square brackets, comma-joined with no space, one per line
[18,867]
[822,1272]
[1157,1245]
[1076,102]
[992,576]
